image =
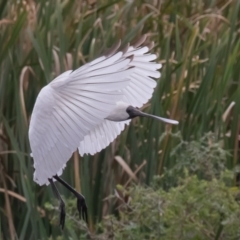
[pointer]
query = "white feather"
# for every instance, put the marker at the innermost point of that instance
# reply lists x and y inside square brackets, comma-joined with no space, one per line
[71,106]
[101,137]
[136,93]
[74,110]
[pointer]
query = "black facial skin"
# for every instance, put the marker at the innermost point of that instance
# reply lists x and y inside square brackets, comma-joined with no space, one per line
[132,112]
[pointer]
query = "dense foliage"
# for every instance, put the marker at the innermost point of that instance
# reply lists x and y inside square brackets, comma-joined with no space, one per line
[197,42]
[195,209]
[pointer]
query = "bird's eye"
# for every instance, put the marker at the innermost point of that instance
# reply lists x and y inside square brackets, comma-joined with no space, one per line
[128,110]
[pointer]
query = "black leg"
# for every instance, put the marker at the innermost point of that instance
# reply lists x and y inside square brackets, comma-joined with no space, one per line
[61,203]
[81,204]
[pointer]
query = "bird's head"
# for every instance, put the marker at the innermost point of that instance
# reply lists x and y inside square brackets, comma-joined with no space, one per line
[133,112]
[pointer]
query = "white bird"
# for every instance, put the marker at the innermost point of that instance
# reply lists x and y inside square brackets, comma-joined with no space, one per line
[86,109]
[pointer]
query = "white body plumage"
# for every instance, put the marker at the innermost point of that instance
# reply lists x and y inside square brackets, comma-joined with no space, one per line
[119,113]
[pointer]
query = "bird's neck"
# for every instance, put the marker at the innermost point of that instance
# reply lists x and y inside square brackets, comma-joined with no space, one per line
[119,113]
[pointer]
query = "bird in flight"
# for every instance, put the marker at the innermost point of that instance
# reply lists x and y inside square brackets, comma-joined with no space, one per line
[87,108]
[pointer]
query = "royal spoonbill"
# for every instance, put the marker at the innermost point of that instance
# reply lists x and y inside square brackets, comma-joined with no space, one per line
[87,108]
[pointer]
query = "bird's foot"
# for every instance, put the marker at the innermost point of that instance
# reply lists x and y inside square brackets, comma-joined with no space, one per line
[62,214]
[82,208]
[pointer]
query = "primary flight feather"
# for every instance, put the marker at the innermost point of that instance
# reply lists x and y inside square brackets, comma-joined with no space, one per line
[86,109]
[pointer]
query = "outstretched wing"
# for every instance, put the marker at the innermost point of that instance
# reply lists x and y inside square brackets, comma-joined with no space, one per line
[136,93]
[71,106]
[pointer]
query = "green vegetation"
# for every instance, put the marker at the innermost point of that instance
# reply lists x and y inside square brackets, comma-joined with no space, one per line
[195,209]
[198,43]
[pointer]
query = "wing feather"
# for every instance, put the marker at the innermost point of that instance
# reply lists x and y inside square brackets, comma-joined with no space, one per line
[90,68]
[136,93]
[101,137]
[71,106]
[70,112]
